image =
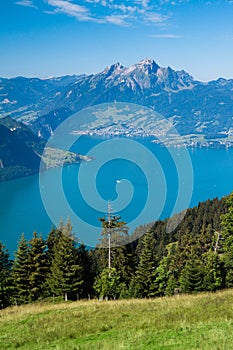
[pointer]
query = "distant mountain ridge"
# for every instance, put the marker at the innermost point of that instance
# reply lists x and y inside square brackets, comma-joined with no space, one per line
[25,98]
[194,107]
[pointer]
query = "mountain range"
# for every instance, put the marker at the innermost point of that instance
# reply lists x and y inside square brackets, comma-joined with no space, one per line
[194,107]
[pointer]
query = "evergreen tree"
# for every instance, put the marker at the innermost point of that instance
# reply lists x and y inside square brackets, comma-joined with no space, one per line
[122,261]
[21,272]
[38,267]
[108,284]
[113,251]
[165,273]
[5,277]
[227,235]
[84,260]
[65,276]
[146,272]
[213,271]
[172,285]
[191,278]
[114,229]
[51,241]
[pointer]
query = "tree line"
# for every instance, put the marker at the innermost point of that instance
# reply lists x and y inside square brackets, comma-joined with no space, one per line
[195,256]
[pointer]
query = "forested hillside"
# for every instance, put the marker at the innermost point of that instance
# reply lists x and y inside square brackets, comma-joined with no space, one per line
[22,152]
[19,150]
[196,256]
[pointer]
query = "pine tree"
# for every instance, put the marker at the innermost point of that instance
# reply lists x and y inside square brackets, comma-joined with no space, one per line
[227,235]
[213,271]
[146,271]
[165,272]
[5,277]
[87,275]
[172,286]
[51,241]
[114,232]
[122,261]
[38,267]
[21,272]
[65,276]
[191,278]
[108,284]
[112,248]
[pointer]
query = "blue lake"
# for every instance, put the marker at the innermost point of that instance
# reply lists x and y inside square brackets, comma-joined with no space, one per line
[143,181]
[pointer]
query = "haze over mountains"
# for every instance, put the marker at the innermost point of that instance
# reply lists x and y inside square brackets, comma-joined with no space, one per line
[194,107]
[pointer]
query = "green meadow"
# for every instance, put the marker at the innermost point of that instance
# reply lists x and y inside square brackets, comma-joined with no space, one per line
[202,321]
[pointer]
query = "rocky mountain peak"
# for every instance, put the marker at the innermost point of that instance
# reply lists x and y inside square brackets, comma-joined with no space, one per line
[146,66]
[113,69]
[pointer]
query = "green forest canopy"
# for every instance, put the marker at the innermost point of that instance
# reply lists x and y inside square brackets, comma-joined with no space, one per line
[196,256]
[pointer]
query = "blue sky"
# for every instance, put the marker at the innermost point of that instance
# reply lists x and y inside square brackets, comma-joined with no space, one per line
[57,37]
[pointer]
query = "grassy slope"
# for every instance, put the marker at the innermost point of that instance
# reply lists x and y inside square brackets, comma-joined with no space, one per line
[203,321]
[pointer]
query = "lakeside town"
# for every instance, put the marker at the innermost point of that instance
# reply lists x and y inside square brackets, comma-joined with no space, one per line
[159,136]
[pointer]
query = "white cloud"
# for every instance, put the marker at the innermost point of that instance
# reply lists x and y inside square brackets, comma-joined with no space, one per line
[118,12]
[27,3]
[137,11]
[124,8]
[172,2]
[155,18]
[166,36]
[116,19]
[143,3]
[69,8]
[121,13]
